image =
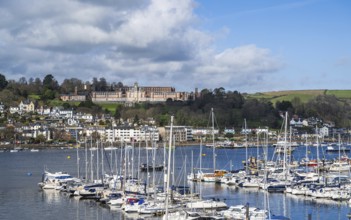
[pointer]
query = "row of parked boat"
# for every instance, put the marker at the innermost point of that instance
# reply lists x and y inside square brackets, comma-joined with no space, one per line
[132,196]
[333,182]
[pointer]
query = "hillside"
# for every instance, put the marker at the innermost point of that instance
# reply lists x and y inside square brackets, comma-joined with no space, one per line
[303,95]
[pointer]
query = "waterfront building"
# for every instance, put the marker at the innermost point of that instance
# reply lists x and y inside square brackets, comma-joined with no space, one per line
[125,134]
[199,133]
[131,134]
[180,133]
[229,131]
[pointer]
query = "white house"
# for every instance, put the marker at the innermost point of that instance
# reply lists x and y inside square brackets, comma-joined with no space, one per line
[324,131]
[14,110]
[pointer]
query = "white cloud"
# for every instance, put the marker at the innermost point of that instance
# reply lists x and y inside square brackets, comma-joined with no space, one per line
[154,42]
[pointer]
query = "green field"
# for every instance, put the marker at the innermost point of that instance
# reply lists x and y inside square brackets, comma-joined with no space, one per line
[35,97]
[303,95]
[341,94]
[109,106]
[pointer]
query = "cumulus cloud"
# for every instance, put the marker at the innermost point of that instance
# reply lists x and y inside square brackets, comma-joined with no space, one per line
[154,42]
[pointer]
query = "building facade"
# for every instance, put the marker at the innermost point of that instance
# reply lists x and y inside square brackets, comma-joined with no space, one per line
[137,94]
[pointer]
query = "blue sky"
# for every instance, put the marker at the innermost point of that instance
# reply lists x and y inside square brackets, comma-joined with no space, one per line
[311,38]
[248,46]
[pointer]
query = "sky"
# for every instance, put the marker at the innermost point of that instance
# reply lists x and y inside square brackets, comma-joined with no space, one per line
[243,45]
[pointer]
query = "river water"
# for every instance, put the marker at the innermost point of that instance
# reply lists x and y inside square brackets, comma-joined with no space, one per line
[20,197]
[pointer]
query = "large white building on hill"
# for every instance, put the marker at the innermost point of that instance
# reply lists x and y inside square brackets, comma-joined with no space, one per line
[136,94]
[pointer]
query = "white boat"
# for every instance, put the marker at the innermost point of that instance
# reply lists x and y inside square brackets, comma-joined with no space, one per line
[34,150]
[341,166]
[239,212]
[206,204]
[110,148]
[116,202]
[155,208]
[250,182]
[299,190]
[13,151]
[55,180]
[134,205]
[91,190]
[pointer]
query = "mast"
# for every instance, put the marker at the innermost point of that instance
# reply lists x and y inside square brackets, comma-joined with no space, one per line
[258,152]
[86,158]
[285,143]
[147,167]
[164,167]
[246,161]
[173,159]
[307,159]
[124,169]
[290,146]
[102,163]
[317,153]
[192,172]
[77,155]
[97,160]
[139,160]
[213,141]
[339,156]
[200,159]
[132,159]
[153,164]
[91,160]
[169,164]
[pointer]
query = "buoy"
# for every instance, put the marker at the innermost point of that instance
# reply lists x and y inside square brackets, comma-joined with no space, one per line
[29,174]
[203,155]
[68,157]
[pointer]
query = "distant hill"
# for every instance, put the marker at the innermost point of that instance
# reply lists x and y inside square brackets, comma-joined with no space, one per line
[303,95]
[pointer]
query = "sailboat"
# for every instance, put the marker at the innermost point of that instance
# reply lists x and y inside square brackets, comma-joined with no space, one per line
[217,174]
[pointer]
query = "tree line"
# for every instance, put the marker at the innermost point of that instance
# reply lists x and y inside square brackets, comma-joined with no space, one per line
[230,107]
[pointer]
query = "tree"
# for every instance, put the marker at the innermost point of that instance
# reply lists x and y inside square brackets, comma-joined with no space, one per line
[219,92]
[284,106]
[40,139]
[7,134]
[102,84]
[49,82]
[66,105]
[69,85]
[136,119]
[118,113]
[119,85]
[3,82]
[22,81]
[48,95]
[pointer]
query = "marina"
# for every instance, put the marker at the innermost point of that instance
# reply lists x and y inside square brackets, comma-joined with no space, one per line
[26,172]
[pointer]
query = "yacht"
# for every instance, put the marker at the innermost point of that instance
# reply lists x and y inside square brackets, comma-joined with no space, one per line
[55,180]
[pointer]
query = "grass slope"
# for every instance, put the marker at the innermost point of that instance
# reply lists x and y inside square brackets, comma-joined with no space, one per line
[303,95]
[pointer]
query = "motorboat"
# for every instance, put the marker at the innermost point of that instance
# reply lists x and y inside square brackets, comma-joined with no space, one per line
[55,180]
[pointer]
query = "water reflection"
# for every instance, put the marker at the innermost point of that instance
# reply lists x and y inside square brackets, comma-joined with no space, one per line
[51,197]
